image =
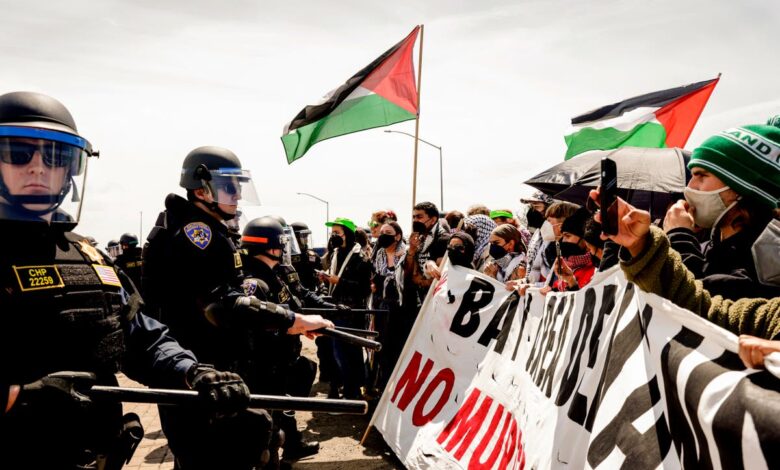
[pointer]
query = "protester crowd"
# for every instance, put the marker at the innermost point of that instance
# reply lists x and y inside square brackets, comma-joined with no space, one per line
[714,253]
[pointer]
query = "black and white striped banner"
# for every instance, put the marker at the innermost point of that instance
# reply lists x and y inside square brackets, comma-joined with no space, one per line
[607,377]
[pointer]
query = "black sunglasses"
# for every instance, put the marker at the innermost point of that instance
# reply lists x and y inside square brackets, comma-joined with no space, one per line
[54,154]
[230,188]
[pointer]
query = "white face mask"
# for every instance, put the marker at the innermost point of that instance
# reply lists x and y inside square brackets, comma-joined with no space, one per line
[548,232]
[766,252]
[708,205]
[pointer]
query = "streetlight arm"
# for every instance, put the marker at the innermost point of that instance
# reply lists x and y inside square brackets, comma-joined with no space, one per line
[313,196]
[412,136]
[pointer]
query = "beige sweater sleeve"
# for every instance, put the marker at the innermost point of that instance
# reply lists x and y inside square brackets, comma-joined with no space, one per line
[660,270]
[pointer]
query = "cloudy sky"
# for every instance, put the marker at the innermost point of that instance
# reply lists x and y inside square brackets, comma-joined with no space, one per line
[148,81]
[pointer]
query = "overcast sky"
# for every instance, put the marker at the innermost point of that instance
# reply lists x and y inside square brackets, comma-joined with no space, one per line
[148,81]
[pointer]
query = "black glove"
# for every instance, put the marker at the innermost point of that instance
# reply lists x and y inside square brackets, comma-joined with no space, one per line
[59,388]
[222,394]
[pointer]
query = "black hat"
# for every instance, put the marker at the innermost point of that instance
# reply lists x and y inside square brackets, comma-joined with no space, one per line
[575,223]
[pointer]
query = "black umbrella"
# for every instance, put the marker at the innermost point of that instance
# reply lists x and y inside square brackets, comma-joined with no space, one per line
[648,178]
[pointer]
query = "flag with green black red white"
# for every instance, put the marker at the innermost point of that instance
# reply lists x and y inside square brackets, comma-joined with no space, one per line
[382,93]
[659,119]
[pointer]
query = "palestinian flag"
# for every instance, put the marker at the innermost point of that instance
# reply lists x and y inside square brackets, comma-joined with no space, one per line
[381,94]
[659,119]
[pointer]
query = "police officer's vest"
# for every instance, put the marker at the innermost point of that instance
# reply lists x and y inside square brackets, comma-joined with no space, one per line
[62,312]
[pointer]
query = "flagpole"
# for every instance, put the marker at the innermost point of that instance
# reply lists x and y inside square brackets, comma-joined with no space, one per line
[417,121]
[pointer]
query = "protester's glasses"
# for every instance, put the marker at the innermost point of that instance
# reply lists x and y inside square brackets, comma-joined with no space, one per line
[53,154]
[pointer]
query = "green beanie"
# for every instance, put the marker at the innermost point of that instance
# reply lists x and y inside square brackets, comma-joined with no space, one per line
[746,159]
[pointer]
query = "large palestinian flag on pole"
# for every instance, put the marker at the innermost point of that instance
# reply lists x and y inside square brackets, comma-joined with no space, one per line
[382,93]
[659,119]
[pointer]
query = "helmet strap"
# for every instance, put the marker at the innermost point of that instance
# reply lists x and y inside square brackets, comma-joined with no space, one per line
[18,202]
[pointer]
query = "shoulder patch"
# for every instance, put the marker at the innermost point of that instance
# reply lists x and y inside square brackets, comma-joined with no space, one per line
[250,286]
[199,234]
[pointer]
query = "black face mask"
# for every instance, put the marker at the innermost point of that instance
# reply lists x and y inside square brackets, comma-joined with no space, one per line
[384,240]
[334,242]
[458,258]
[535,218]
[496,252]
[419,227]
[571,249]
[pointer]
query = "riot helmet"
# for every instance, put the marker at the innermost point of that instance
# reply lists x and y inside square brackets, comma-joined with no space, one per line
[292,248]
[43,160]
[262,235]
[302,235]
[128,240]
[113,248]
[219,172]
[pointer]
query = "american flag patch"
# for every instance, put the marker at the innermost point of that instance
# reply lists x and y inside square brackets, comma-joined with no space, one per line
[107,275]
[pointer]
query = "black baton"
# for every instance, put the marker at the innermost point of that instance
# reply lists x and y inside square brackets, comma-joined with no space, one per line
[359,332]
[349,338]
[190,397]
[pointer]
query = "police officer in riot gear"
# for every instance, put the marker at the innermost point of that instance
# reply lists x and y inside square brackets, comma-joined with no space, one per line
[130,259]
[308,262]
[264,242]
[113,249]
[66,308]
[310,298]
[192,276]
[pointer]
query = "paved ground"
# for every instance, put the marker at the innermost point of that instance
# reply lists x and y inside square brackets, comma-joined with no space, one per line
[339,437]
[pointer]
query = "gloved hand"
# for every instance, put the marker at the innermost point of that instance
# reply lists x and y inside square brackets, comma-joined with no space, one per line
[223,394]
[343,308]
[63,388]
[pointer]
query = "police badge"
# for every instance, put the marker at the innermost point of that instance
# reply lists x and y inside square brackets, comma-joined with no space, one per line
[199,234]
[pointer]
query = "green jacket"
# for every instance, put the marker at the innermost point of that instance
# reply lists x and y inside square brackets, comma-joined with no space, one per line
[660,270]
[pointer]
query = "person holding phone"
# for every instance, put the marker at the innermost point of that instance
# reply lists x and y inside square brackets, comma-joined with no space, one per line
[649,261]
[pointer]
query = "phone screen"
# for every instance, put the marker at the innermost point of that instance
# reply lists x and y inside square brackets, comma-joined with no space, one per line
[608,197]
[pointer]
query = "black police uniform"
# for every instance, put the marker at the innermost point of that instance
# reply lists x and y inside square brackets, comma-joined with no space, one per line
[65,307]
[131,262]
[305,265]
[192,275]
[280,364]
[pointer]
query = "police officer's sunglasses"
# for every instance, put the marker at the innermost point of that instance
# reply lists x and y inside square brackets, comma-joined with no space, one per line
[54,154]
[230,188]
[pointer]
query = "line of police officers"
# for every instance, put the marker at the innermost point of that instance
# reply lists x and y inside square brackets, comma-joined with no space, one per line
[66,307]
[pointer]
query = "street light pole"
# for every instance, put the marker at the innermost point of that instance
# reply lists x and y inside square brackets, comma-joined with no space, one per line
[327,211]
[441,164]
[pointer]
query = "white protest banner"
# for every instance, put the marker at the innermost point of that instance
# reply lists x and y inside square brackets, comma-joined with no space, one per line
[604,377]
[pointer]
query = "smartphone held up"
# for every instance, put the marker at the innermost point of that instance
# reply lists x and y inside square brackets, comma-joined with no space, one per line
[608,197]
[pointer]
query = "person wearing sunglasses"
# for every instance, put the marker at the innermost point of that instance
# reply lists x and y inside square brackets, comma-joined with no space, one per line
[193,279]
[67,308]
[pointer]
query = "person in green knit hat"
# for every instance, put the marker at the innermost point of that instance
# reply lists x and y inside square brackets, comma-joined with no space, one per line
[732,194]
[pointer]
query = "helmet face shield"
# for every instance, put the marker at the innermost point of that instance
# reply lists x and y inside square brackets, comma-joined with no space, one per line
[42,174]
[289,246]
[232,186]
